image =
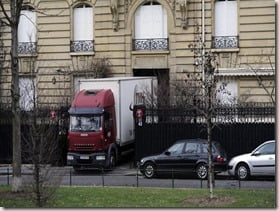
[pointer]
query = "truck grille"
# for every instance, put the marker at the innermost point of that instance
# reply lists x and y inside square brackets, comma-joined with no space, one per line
[84,146]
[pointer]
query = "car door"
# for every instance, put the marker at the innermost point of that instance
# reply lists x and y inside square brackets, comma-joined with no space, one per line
[263,160]
[190,156]
[171,158]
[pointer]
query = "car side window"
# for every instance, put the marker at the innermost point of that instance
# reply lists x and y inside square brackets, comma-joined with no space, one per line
[267,149]
[192,148]
[176,149]
[204,148]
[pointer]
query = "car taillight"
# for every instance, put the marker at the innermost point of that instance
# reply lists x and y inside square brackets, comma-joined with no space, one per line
[220,159]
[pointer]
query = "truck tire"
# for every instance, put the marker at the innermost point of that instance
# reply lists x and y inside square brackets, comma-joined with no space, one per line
[112,160]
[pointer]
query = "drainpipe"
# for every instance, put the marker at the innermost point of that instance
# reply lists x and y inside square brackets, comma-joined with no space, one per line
[203,37]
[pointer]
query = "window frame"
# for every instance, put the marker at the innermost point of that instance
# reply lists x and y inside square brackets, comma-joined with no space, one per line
[78,46]
[226,42]
[27,47]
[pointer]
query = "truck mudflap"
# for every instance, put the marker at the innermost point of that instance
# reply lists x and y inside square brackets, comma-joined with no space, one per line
[87,161]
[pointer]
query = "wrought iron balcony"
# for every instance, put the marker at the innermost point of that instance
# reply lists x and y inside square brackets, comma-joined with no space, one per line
[151,44]
[82,46]
[27,48]
[225,42]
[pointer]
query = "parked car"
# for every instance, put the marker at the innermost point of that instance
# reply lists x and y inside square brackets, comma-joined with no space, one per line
[260,161]
[190,155]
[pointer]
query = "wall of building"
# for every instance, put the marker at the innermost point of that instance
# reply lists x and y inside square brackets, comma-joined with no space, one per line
[54,60]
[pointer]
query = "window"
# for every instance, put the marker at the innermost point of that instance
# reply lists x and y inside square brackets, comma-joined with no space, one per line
[85,123]
[225,24]
[176,149]
[27,93]
[27,31]
[151,27]
[227,92]
[267,149]
[192,148]
[205,148]
[82,29]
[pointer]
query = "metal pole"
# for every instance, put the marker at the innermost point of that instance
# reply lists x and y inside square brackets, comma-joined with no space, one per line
[137,178]
[172,178]
[203,38]
[8,177]
[103,180]
[70,177]
[239,184]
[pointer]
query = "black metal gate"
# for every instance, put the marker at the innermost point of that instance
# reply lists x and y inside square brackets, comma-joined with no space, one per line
[239,129]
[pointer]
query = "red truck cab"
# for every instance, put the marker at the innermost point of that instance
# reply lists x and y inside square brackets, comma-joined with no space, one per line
[92,131]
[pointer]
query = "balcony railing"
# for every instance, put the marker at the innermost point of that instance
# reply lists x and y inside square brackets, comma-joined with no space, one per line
[151,44]
[82,46]
[225,42]
[27,48]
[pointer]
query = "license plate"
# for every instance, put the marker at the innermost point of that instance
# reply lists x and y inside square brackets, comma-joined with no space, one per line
[84,157]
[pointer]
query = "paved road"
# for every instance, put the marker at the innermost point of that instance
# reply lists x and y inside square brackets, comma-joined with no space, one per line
[126,175]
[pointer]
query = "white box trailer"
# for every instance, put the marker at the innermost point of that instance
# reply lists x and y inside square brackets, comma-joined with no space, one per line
[127,91]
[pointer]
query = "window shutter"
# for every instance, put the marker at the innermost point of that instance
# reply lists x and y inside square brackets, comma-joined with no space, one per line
[27,26]
[83,23]
[150,22]
[225,18]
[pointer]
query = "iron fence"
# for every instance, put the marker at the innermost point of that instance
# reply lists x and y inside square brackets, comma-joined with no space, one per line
[168,179]
[225,42]
[151,44]
[222,114]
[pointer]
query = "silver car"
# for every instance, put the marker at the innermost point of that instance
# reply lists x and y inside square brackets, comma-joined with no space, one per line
[260,162]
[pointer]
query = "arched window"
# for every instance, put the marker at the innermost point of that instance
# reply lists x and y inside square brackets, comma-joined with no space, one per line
[225,24]
[82,28]
[27,31]
[151,30]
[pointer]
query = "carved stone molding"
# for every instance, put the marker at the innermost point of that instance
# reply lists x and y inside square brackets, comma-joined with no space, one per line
[114,13]
[183,5]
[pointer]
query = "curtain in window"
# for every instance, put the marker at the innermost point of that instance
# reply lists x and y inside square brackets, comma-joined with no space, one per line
[227,91]
[150,22]
[226,18]
[27,26]
[83,24]
[27,91]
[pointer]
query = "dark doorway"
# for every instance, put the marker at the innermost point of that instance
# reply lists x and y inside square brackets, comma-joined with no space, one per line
[163,83]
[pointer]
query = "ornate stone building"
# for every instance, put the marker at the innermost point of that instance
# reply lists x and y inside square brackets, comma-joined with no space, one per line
[60,40]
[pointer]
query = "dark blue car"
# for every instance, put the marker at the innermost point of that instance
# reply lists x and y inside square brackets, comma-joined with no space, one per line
[188,156]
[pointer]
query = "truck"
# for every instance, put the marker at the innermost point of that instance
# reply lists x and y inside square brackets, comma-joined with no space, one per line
[102,125]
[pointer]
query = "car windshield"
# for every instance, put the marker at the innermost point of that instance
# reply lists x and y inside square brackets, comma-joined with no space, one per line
[85,123]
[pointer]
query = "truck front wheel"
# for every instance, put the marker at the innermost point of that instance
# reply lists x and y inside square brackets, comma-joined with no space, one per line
[112,160]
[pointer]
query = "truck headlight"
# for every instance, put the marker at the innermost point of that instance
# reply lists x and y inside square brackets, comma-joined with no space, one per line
[100,157]
[70,157]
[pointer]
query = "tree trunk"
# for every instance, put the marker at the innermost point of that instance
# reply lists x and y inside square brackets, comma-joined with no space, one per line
[209,137]
[17,180]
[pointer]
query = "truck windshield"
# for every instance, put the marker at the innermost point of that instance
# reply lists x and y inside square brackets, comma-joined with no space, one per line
[85,123]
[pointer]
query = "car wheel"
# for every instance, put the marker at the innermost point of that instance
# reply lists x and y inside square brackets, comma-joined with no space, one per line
[202,171]
[242,171]
[149,170]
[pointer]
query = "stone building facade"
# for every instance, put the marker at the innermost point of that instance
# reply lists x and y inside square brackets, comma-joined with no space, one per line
[60,40]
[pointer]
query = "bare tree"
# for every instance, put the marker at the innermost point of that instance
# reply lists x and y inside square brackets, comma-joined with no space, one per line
[41,151]
[12,20]
[40,138]
[269,87]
